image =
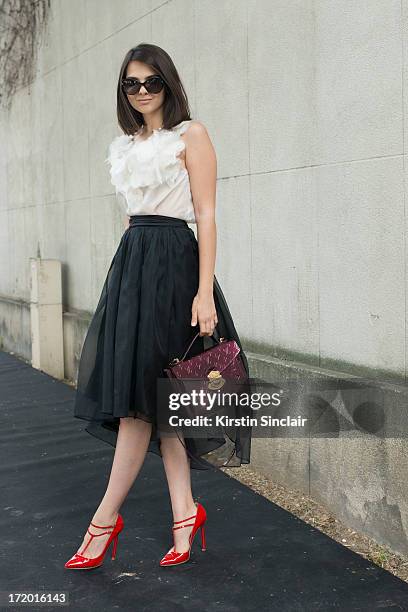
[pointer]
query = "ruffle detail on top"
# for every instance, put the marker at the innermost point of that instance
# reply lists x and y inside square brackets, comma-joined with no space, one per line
[135,164]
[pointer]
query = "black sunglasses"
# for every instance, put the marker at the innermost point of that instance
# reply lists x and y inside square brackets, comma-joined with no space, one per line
[153,84]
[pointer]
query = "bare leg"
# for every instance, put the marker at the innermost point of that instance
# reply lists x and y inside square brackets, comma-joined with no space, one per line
[130,452]
[177,468]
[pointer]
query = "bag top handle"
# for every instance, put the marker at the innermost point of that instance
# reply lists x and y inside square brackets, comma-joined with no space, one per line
[213,335]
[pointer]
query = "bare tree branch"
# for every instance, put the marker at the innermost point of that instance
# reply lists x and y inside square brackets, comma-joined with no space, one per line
[23,24]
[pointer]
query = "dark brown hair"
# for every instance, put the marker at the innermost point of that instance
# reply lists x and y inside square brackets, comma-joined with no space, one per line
[175,105]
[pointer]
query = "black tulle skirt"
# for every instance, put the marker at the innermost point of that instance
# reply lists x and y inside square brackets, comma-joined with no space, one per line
[141,322]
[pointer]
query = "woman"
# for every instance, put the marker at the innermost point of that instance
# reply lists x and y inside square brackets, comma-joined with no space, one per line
[159,292]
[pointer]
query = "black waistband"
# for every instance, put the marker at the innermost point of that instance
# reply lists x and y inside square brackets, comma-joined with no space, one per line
[156,220]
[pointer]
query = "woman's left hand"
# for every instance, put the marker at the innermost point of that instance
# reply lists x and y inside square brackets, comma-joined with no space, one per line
[203,311]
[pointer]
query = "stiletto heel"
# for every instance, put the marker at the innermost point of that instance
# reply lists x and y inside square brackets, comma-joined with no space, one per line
[173,557]
[78,561]
[114,547]
[203,547]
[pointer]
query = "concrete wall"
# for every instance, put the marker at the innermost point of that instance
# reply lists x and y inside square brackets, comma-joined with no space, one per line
[304,101]
[359,476]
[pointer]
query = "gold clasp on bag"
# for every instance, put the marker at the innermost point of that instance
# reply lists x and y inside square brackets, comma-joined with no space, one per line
[216,381]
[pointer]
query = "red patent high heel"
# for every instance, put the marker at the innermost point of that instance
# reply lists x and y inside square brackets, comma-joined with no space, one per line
[173,557]
[78,561]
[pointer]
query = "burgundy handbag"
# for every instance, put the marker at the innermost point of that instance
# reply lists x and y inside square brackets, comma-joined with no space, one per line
[213,366]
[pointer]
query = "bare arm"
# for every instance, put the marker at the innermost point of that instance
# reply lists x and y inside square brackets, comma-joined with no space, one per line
[127,222]
[201,163]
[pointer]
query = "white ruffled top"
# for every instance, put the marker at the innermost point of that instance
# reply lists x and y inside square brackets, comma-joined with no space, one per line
[150,176]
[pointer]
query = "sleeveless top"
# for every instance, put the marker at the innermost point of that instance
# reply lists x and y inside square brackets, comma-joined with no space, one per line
[150,176]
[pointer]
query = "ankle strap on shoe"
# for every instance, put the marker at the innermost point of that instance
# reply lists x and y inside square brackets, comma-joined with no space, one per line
[102,526]
[98,534]
[181,526]
[186,519]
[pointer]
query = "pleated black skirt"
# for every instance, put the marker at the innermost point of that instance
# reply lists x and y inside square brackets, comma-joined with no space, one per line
[141,322]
